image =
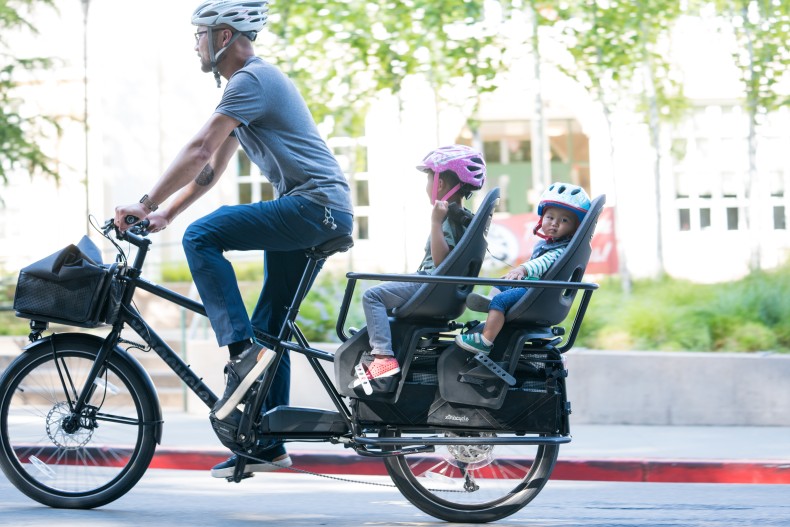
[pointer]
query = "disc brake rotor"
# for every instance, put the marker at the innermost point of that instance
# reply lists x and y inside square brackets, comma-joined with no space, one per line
[57,416]
[471,456]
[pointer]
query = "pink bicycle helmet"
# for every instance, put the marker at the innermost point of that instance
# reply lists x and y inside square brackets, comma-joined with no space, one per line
[467,163]
[564,195]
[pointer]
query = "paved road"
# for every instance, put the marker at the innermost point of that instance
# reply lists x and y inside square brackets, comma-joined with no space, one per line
[177,497]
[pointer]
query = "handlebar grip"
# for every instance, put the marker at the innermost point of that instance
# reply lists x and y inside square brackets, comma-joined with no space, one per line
[131,220]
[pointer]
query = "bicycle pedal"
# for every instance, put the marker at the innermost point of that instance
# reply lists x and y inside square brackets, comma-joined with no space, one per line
[244,476]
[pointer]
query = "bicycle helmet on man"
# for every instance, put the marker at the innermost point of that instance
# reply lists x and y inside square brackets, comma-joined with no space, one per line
[565,196]
[466,162]
[244,18]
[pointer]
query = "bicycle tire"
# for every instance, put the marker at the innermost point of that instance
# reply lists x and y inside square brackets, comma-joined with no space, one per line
[105,456]
[472,484]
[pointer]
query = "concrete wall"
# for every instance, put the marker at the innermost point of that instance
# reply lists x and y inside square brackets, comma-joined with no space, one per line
[679,388]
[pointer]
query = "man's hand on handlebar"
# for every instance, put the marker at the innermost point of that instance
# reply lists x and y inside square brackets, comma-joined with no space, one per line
[128,215]
[157,221]
[141,228]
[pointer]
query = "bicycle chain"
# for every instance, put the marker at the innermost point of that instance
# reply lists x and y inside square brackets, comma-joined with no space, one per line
[305,471]
[336,478]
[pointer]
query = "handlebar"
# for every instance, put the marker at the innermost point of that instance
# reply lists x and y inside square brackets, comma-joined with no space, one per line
[133,234]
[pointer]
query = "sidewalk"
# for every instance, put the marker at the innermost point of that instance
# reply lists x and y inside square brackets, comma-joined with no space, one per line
[693,454]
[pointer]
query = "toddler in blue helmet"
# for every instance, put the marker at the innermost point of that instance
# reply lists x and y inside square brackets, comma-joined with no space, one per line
[561,209]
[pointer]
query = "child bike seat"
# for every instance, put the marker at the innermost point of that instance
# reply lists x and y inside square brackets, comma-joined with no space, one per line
[447,301]
[545,307]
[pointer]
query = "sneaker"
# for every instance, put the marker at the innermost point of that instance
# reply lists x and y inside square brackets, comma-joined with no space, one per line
[241,371]
[478,302]
[269,460]
[473,342]
[380,368]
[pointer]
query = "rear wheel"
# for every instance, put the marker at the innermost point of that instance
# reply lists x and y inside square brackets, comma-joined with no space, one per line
[63,459]
[473,483]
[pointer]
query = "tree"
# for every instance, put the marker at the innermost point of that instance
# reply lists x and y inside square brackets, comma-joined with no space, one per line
[762,31]
[615,46]
[19,132]
[342,53]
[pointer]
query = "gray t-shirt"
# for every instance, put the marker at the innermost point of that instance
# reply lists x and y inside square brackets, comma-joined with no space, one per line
[427,266]
[279,135]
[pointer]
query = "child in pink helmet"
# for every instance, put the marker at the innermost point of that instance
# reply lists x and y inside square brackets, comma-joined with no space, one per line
[561,209]
[454,172]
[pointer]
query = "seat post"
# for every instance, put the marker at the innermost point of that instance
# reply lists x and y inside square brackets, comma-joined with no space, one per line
[309,274]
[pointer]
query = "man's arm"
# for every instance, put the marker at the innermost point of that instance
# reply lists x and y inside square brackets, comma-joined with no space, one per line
[212,143]
[206,179]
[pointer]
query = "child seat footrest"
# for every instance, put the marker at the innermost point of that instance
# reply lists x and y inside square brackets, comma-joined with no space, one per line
[495,368]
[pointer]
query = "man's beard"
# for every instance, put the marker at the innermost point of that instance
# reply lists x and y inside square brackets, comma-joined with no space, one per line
[205,66]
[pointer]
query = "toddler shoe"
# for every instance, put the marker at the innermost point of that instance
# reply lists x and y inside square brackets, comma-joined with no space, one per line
[473,342]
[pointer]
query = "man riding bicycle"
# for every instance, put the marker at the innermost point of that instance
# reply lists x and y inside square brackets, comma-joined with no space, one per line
[264,113]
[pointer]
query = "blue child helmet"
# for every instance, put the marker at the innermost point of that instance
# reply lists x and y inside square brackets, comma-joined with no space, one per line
[567,196]
[564,195]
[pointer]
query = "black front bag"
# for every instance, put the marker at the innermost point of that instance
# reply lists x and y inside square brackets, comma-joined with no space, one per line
[67,287]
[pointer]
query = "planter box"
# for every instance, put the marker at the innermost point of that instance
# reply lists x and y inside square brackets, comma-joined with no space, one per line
[679,388]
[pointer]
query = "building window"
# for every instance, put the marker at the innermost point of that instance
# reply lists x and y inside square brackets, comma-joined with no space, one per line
[492,152]
[363,232]
[704,218]
[685,219]
[362,194]
[732,218]
[352,156]
[251,184]
[779,218]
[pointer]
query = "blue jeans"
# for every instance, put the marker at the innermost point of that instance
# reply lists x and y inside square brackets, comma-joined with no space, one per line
[283,229]
[507,298]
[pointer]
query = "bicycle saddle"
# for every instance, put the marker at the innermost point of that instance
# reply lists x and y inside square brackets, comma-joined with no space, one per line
[330,247]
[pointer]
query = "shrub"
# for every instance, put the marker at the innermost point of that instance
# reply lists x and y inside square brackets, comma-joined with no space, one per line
[751,314]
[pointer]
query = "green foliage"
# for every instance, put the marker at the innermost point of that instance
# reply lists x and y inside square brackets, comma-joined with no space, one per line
[752,314]
[176,272]
[18,132]
[762,30]
[319,311]
[341,53]
[617,44]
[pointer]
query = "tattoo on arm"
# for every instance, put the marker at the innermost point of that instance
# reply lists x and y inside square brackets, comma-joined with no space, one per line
[205,177]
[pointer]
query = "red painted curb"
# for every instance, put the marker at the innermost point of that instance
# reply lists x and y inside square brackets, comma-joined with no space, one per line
[627,470]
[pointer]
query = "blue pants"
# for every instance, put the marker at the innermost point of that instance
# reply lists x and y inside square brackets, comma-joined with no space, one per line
[283,229]
[506,299]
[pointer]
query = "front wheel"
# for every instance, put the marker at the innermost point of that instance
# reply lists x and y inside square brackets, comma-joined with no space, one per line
[473,483]
[74,460]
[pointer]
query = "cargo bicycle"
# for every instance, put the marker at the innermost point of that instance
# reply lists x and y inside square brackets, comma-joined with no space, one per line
[464,438]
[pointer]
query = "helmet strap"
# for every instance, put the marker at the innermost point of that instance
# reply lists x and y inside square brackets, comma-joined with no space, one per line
[536,230]
[451,192]
[220,54]
[435,190]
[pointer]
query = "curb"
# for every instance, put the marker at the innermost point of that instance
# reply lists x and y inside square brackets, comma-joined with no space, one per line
[620,470]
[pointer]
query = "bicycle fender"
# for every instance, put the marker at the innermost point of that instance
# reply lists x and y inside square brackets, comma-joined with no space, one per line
[118,354]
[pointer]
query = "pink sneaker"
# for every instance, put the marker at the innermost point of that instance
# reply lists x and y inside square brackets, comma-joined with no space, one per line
[386,367]
[378,369]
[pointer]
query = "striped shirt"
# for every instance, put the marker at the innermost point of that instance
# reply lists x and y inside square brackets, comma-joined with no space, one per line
[543,256]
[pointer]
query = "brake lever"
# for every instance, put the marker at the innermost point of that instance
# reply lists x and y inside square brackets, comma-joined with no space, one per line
[140,229]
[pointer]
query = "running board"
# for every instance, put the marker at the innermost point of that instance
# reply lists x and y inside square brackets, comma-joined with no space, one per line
[459,440]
